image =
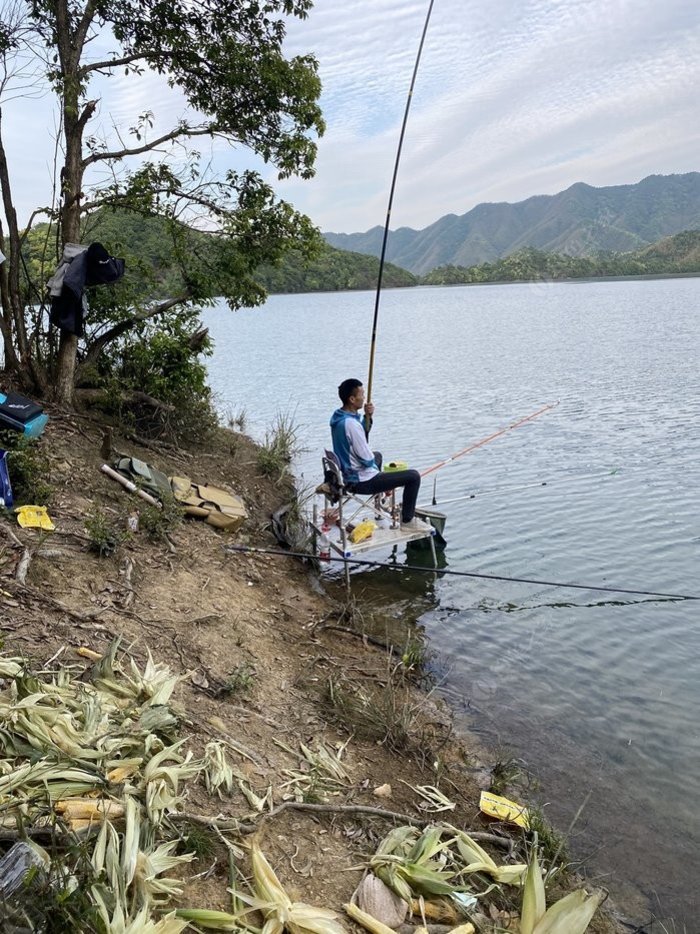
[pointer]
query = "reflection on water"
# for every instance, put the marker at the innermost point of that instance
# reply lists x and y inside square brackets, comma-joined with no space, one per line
[597,692]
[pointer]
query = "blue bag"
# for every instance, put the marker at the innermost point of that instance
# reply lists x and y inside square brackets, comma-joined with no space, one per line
[6,498]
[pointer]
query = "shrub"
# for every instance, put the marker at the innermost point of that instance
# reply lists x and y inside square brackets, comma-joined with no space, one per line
[105,534]
[157,523]
[29,467]
[163,362]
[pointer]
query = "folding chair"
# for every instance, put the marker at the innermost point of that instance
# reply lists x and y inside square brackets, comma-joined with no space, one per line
[350,505]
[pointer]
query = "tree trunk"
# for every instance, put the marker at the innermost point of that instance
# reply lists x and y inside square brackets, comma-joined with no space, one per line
[64,385]
[70,39]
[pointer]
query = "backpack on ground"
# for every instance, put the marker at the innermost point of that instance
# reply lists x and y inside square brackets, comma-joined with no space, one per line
[147,478]
[217,507]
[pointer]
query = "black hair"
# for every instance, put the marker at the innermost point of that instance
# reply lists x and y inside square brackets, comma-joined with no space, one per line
[347,388]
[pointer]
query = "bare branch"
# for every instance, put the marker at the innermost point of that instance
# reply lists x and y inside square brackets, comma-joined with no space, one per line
[84,25]
[35,213]
[116,62]
[147,147]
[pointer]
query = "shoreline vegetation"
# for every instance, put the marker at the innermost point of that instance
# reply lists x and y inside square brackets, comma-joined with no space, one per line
[306,737]
[149,240]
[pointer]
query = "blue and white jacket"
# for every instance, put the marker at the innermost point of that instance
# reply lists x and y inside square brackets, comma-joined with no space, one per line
[351,447]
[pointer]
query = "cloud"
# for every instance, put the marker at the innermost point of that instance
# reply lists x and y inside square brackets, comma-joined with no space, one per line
[513,98]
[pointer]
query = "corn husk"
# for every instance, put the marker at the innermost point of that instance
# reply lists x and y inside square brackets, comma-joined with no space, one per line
[209,920]
[571,914]
[218,774]
[411,864]
[534,904]
[366,920]
[279,910]
[478,860]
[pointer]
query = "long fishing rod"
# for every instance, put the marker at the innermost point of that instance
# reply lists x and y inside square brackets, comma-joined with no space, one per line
[480,444]
[478,494]
[250,550]
[499,490]
[373,342]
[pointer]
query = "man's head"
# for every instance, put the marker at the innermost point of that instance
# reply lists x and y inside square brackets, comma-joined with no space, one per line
[352,394]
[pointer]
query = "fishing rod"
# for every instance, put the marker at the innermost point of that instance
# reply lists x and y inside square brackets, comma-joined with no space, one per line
[277,552]
[478,494]
[373,342]
[479,444]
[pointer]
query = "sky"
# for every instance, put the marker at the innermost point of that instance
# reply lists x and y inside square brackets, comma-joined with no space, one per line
[512,99]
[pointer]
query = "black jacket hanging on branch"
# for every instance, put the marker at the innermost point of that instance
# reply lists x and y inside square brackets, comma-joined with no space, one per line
[80,267]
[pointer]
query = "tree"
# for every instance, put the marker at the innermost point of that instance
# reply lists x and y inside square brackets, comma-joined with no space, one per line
[226,58]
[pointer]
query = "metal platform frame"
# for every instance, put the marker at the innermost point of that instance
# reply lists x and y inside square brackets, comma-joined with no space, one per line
[336,496]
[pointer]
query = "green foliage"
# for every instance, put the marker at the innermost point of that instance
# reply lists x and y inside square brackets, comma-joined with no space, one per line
[193,838]
[331,270]
[156,522]
[386,715]
[164,362]
[29,466]
[553,844]
[581,221]
[105,534]
[227,60]
[240,681]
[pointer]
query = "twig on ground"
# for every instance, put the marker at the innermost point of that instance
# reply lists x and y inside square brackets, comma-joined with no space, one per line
[23,566]
[248,827]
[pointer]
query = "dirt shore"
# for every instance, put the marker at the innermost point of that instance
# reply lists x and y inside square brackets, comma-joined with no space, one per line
[267,671]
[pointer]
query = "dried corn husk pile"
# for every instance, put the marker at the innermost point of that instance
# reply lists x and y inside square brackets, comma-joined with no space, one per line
[431,871]
[95,749]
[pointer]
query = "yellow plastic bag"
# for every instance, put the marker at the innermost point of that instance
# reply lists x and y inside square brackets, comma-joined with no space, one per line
[362,531]
[34,517]
[504,809]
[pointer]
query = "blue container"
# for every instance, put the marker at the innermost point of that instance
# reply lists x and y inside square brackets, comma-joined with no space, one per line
[21,414]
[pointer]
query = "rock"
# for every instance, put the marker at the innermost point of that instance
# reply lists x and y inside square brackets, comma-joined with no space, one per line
[377,899]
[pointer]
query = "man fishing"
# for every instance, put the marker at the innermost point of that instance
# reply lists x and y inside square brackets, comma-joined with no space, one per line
[360,465]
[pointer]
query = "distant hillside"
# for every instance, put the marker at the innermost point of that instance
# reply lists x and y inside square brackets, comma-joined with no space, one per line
[333,270]
[673,255]
[580,221]
[149,239]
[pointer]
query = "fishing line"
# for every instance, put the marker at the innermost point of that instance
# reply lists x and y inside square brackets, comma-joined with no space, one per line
[249,549]
[373,341]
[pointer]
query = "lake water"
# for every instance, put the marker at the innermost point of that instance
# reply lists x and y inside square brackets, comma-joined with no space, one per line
[598,694]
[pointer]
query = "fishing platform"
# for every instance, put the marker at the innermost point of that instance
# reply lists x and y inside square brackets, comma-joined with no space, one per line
[349,524]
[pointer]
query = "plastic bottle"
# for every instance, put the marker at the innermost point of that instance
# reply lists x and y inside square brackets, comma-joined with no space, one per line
[324,545]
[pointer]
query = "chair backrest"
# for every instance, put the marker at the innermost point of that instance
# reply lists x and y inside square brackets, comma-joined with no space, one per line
[332,473]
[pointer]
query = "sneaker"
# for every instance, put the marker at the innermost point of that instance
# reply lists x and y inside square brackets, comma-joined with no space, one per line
[415,525]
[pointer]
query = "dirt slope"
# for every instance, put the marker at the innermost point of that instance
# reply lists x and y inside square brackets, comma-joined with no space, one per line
[250,630]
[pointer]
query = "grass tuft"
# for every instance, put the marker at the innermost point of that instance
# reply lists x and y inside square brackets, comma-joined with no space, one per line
[279,448]
[386,714]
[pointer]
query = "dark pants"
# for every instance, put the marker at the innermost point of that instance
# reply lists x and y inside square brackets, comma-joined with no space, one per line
[384,482]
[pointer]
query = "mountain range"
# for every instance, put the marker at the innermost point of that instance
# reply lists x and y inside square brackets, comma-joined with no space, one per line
[580,221]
